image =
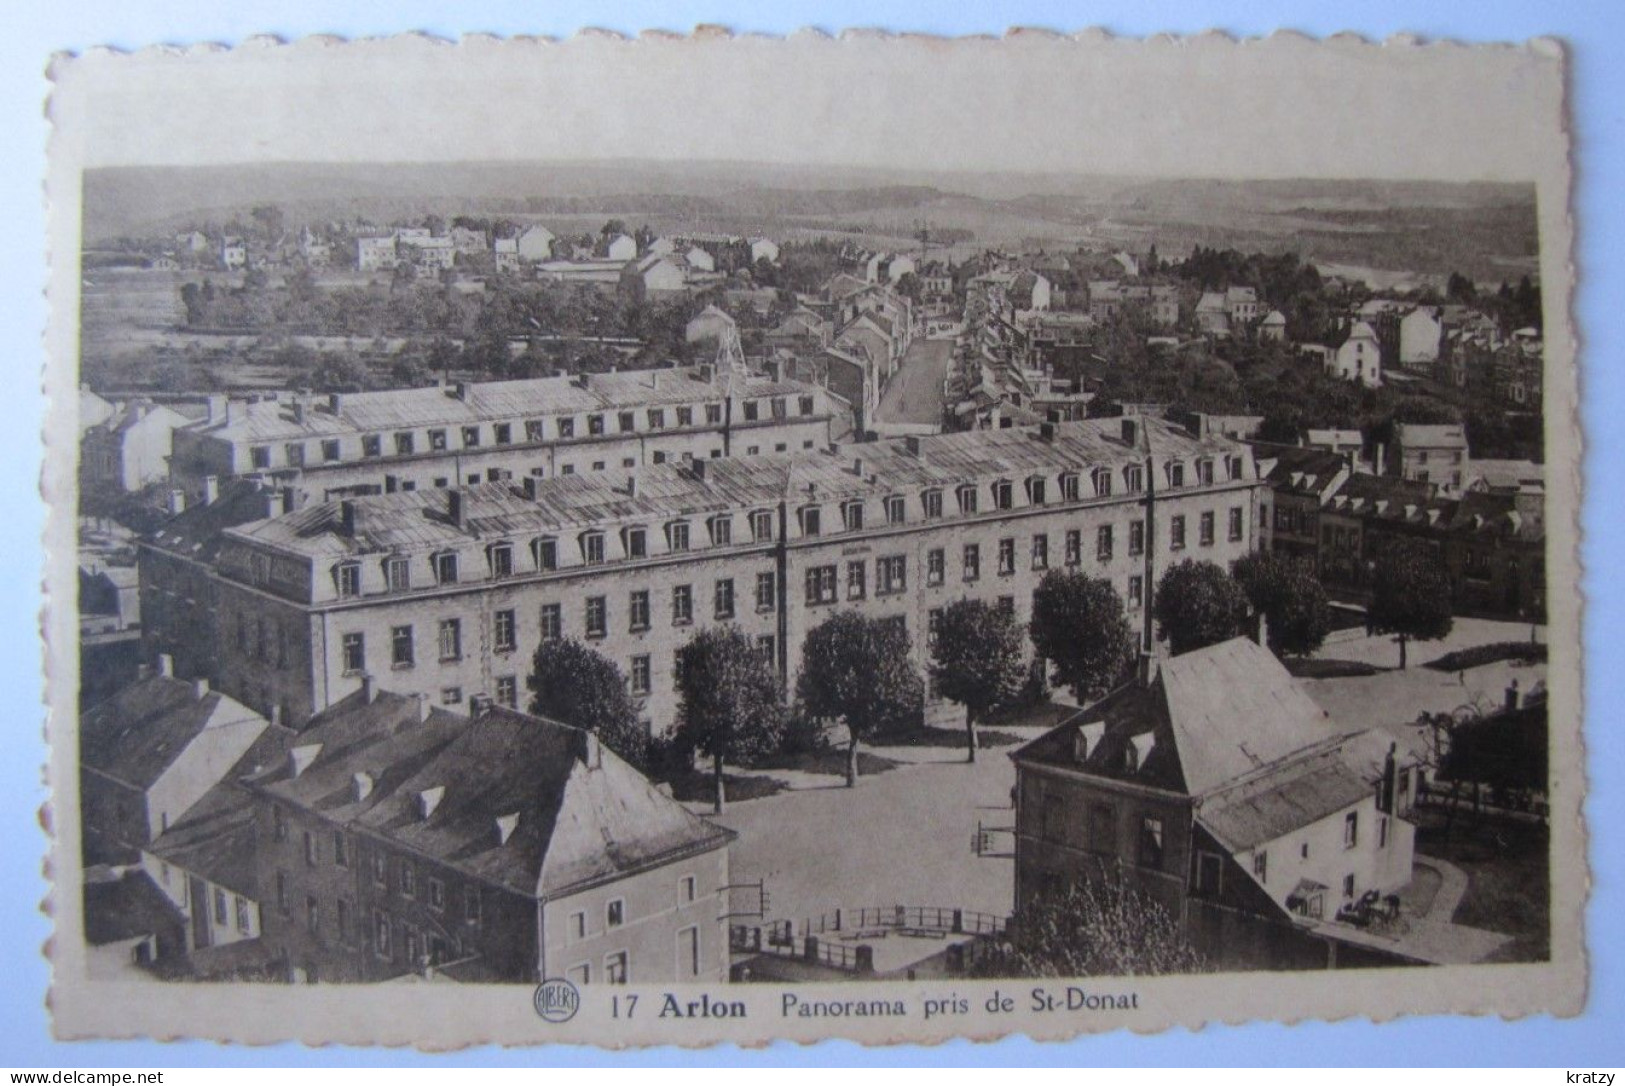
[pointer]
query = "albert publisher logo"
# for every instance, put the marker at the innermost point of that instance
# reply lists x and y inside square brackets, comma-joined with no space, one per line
[557,1000]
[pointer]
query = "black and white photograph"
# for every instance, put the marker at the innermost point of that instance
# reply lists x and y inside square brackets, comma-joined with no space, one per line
[640,580]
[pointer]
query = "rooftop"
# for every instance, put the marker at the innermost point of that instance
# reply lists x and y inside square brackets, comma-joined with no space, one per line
[138,734]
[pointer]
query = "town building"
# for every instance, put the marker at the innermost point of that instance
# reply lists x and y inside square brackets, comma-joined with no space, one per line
[1242,305]
[621,247]
[505,254]
[652,277]
[1214,786]
[129,449]
[1301,480]
[406,439]
[1273,328]
[698,259]
[428,253]
[536,244]
[1358,358]
[450,592]
[1420,334]
[764,249]
[398,839]
[233,253]
[1213,314]
[1430,454]
[376,253]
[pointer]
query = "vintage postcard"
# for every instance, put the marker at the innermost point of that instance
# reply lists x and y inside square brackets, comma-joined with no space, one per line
[707,538]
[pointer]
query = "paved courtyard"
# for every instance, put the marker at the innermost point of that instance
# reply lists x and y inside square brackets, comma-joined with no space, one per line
[915,392]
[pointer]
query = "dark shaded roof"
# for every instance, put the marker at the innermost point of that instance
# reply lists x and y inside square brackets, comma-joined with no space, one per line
[1299,470]
[440,784]
[1495,515]
[139,733]
[130,907]
[195,533]
[1284,799]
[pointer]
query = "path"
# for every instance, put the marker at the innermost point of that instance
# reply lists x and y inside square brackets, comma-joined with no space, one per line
[914,395]
[1452,887]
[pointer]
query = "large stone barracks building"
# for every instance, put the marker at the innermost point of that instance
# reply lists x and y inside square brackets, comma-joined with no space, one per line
[410,439]
[447,593]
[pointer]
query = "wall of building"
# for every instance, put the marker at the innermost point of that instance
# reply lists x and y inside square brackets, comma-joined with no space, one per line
[1380,858]
[657,917]
[227,916]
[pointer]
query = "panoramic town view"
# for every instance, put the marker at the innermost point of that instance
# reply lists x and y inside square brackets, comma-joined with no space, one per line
[657,574]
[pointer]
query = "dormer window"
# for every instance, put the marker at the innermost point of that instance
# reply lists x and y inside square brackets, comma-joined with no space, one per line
[761,526]
[895,509]
[967,498]
[810,520]
[567,428]
[397,574]
[636,542]
[627,421]
[501,556]
[1069,486]
[852,516]
[592,548]
[931,504]
[1036,490]
[722,530]
[1176,474]
[546,552]
[595,425]
[1134,478]
[1204,473]
[471,437]
[1003,495]
[445,567]
[677,536]
[1101,478]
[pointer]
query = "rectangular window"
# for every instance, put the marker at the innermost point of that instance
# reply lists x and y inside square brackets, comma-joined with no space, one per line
[451,639]
[1176,533]
[821,584]
[503,432]
[409,879]
[1007,556]
[852,516]
[893,574]
[294,452]
[380,933]
[933,626]
[1209,874]
[349,578]
[810,520]
[1204,472]
[282,891]
[687,890]
[895,511]
[380,869]
[567,428]
[592,548]
[1069,487]
[1136,537]
[451,695]
[502,560]
[627,420]
[657,418]
[725,598]
[936,566]
[931,502]
[597,616]
[713,413]
[1351,829]
[1204,530]
[616,968]
[682,605]
[243,921]
[372,445]
[341,849]
[1382,832]
[1151,842]
[355,653]
[1103,543]
[437,440]
[1235,524]
[1003,495]
[753,410]
[688,952]
[1348,886]
[1103,828]
[856,580]
[972,562]
[578,925]
[398,574]
[677,536]
[1261,866]
[552,622]
[638,611]
[219,907]
[400,646]
[1040,552]
[615,913]
[722,531]
[313,916]
[640,676]
[259,456]
[685,416]
[504,632]
[761,526]
[767,595]
[331,450]
[445,568]
[508,691]
[471,437]
[403,444]
[471,904]
[767,648]
[967,499]
[310,849]
[1136,591]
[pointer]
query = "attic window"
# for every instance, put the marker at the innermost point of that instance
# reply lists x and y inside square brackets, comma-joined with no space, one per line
[506,824]
[429,799]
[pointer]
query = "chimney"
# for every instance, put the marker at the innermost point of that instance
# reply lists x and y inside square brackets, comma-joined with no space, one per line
[697,467]
[478,704]
[299,758]
[857,466]
[530,487]
[708,372]
[177,502]
[276,715]
[299,411]
[593,752]
[1512,696]
[457,507]
[200,689]
[289,500]
[166,665]
[216,409]
[211,489]
[363,785]
[423,707]
[1261,631]
[1131,432]
[1046,432]
[334,402]
[775,369]
[581,380]
[632,486]
[350,517]
[369,688]
[913,444]
[460,390]
[654,380]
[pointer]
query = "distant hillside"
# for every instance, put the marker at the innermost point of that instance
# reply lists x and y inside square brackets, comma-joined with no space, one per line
[1428,227]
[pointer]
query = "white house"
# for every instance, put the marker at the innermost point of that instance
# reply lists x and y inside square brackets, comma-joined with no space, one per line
[698,259]
[1419,335]
[763,249]
[536,243]
[1359,358]
[622,247]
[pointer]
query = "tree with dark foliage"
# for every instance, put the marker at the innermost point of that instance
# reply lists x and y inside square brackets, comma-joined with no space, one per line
[976,661]
[1290,597]
[575,685]
[857,670]
[1411,594]
[1079,626]
[729,704]
[1198,604]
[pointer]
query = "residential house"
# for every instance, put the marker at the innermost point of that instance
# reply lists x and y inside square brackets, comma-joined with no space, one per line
[652,277]
[709,323]
[536,244]
[505,252]
[1301,480]
[468,240]
[698,259]
[429,254]
[1215,787]
[130,448]
[621,247]
[376,253]
[233,253]
[398,839]
[1213,314]
[1420,334]
[1273,327]
[764,249]
[1434,454]
[1359,358]
[1242,305]
[661,247]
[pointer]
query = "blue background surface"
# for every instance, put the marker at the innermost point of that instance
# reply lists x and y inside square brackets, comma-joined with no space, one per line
[1598,85]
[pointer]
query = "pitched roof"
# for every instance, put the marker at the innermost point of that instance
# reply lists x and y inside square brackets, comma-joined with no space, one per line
[574,813]
[195,533]
[139,733]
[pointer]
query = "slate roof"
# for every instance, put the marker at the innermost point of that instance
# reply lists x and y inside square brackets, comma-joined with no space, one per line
[1299,470]
[139,733]
[582,815]
[195,533]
